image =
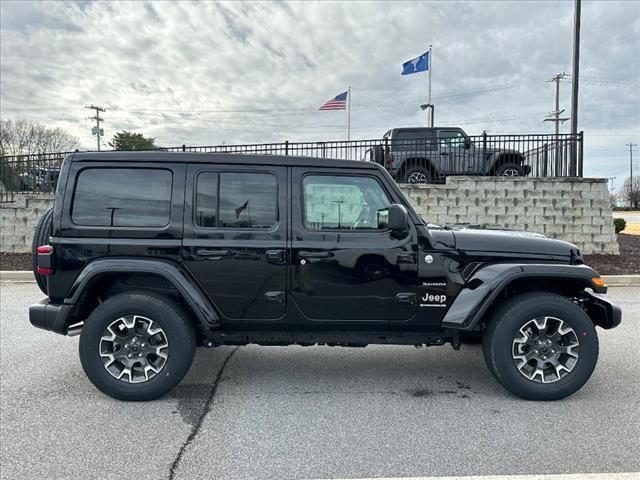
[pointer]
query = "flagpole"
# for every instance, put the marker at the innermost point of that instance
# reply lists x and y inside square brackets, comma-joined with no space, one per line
[349,114]
[430,119]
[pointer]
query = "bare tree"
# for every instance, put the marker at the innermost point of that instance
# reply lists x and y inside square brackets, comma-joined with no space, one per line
[22,137]
[631,196]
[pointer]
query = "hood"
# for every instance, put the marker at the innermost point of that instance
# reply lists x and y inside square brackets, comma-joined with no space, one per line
[507,241]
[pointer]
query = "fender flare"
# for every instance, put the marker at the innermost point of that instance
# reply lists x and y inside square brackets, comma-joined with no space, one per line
[496,158]
[485,285]
[418,160]
[173,273]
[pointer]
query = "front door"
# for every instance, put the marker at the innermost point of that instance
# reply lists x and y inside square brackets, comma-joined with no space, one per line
[345,263]
[235,237]
[453,152]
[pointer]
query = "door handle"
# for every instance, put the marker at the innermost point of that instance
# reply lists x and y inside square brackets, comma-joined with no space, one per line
[409,298]
[213,254]
[302,254]
[444,154]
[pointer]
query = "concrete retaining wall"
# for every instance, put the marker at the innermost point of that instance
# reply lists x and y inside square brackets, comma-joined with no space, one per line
[18,221]
[573,209]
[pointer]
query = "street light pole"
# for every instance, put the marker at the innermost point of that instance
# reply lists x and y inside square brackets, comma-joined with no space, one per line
[574,86]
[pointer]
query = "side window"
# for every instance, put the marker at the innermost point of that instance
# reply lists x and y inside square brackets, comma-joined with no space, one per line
[122,197]
[343,202]
[451,139]
[206,211]
[415,140]
[236,200]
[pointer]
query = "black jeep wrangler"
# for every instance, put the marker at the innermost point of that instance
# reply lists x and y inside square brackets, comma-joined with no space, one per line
[147,255]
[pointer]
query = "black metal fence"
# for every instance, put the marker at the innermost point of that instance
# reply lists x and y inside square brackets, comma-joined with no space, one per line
[543,155]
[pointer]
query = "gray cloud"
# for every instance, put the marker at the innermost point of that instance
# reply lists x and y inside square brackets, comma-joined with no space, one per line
[207,73]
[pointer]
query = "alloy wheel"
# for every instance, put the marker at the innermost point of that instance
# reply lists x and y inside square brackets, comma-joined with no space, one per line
[545,349]
[510,172]
[417,177]
[134,349]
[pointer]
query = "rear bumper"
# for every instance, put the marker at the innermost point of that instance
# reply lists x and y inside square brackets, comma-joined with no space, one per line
[49,316]
[602,311]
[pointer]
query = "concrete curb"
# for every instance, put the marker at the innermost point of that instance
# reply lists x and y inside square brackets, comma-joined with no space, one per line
[16,276]
[610,280]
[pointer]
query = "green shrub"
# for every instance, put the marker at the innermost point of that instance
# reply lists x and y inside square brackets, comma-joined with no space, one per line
[620,224]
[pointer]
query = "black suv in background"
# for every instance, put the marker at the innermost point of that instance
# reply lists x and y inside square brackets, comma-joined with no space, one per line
[147,255]
[428,155]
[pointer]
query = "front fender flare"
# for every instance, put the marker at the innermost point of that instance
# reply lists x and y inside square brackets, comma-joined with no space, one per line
[173,273]
[485,285]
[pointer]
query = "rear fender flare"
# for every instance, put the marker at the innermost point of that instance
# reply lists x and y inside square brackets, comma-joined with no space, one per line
[175,275]
[479,291]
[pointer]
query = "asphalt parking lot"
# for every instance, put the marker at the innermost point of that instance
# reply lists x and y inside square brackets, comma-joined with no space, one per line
[315,412]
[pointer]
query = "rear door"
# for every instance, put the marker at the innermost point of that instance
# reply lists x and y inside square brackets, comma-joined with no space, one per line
[235,237]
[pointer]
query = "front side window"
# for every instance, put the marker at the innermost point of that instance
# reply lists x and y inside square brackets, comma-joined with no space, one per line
[236,200]
[122,197]
[451,139]
[345,203]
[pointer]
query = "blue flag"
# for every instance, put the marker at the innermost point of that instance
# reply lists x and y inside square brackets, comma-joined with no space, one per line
[418,64]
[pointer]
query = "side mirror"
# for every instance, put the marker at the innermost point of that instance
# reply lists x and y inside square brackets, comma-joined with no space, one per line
[467,144]
[398,218]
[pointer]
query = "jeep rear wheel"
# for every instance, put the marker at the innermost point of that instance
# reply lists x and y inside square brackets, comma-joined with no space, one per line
[416,174]
[137,346]
[541,346]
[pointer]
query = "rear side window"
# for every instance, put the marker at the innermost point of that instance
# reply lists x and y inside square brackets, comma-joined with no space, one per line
[236,200]
[414,139]
[122,197]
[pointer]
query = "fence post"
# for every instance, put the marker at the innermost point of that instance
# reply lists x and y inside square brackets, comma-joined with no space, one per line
[580,152]
[484,146]
[286,147]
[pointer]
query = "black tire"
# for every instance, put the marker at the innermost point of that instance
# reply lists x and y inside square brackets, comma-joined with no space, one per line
[510,169]
[41,237]
[416,174]
[504,326]
[166,314]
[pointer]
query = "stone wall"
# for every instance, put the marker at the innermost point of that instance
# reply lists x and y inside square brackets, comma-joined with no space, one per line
[573,209]
[18,221]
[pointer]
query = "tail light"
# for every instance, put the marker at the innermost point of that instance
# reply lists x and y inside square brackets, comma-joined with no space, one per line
[45,260]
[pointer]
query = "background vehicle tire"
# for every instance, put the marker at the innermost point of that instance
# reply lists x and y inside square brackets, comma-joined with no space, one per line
[172,328]
[416,174]
[559,364]
[41,237]
[510,170]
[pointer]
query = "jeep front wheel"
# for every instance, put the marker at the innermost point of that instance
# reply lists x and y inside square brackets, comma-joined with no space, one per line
[510,170]
[137,346]
[541,346]
[416,174]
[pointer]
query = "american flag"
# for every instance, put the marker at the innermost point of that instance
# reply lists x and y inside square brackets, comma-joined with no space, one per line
[339,102]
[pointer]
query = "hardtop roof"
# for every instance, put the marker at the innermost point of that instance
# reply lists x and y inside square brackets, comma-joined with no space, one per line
[222,158]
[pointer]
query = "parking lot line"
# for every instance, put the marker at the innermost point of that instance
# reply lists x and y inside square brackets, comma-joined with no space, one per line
[572,476]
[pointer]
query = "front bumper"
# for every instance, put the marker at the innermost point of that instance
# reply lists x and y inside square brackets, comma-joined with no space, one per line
[527,169]
[49,316]
[603,312]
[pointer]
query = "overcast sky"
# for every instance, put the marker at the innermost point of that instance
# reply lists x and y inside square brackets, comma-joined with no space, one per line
[208,73]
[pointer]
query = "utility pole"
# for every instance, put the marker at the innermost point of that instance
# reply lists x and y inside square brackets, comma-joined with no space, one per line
[631,145]
[96,130]
[575,75]
[555,117]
